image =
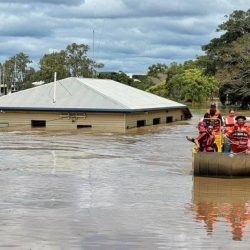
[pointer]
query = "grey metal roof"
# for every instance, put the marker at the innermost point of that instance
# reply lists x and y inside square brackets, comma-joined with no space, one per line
[86,94]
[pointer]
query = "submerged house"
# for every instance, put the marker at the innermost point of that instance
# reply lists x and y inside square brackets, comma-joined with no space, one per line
[78,103]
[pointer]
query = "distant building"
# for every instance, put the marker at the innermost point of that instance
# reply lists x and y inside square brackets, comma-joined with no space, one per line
[80,103]
[139,77]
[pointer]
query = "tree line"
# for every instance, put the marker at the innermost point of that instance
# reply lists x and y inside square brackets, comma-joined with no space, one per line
[72,61]
[223,71]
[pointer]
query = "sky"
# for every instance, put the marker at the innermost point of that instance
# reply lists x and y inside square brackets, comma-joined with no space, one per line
[124,35]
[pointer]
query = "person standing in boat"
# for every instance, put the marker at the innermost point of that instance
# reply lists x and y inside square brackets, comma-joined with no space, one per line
[239,135]
[205,141]
[213,118]
[229,122]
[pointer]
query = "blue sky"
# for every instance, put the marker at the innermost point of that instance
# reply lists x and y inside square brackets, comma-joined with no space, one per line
[129,35]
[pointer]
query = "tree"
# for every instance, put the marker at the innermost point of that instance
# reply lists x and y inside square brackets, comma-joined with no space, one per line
[237,25]
[173,71]
[235,75]
[228,58]
[51,63]
[236,62]
[15,70]
[193,86]
[117,76]
[30,76]
[77,62]
[156,69]
[158,89]
[198,87]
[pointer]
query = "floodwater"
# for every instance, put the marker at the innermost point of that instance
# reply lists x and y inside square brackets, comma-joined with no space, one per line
[68,190]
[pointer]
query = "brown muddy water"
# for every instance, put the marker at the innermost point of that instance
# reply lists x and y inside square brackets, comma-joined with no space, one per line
[66,190]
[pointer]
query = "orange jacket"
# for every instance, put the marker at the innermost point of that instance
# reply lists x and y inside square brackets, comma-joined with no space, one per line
[214,120]
[239,136]
[229,121]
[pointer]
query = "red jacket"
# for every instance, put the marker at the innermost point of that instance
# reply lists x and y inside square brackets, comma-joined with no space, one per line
[239,136]
[206,141]
[214,120]
[229,121]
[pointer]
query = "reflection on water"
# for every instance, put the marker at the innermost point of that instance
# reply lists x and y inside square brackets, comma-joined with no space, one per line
[222,200]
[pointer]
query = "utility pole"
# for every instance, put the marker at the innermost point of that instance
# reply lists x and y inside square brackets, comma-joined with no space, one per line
[93,55]
[0,74]
[1,80]
[5,88]
[15,76]
[54,96]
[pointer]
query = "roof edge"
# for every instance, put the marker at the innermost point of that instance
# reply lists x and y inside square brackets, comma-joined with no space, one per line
[90,110]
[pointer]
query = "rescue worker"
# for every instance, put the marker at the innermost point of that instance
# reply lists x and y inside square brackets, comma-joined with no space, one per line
[229,122]
[248,144]
[213,118]
[205,142]
[201,128]
[239,135]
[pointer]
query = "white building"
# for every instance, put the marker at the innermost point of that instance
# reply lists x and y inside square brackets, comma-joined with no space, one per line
[77,103]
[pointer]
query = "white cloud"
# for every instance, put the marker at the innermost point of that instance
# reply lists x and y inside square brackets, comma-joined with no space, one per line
[129,35]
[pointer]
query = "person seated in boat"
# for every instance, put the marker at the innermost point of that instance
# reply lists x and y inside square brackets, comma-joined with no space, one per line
[201,128]
[229,121]
[248,145]
[205,141]
[213,118]
[239,135]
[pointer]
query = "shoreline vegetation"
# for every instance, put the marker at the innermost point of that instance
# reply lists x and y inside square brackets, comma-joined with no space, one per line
[222,73]
[223,108]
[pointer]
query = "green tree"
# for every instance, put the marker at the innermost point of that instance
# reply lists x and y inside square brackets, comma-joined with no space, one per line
[198,87]
[117,76]
[51,63]
[158,89]
[77,62]
[193,86]
[227,57]
[143,82]
[156,69]
[15,69]
[173,72]
[237,25]
[235,75]
[31,76]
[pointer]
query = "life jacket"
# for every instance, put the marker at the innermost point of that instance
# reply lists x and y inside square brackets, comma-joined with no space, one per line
[239,137]
[248,146]
[229,121]
[213,120]
[206,141]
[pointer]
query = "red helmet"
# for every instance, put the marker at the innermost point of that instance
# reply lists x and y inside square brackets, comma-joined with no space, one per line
[202,124]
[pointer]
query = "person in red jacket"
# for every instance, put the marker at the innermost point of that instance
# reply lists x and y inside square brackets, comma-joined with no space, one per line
[213,118]
[239,135]
[248,144]
[205,141]
[229,122]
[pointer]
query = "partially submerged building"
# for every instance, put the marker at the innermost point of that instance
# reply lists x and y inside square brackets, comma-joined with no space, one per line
[78,103]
